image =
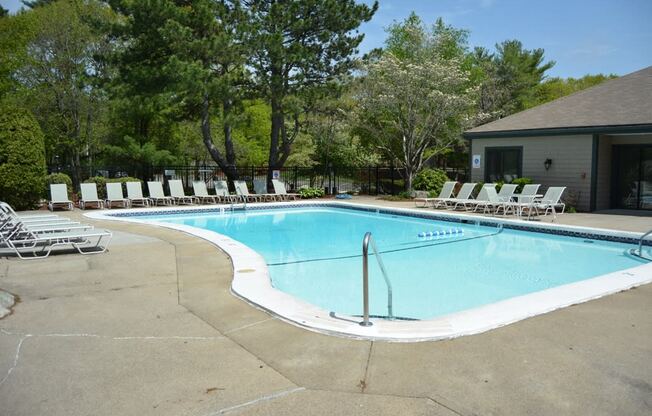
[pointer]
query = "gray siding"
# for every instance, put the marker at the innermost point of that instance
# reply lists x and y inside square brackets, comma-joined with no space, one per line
[571,163]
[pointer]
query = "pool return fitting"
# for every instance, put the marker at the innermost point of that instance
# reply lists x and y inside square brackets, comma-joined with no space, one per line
[366,242]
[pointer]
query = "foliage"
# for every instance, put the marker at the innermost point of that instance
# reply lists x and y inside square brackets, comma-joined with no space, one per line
[430,180]
[415,108]
[58,74]
[521,182]
[22,158]
[309,193]
[300,49]
[59,177]
[554,88]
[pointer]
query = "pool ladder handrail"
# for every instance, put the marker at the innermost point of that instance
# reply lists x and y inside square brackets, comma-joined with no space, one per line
[640,246]
[367,241]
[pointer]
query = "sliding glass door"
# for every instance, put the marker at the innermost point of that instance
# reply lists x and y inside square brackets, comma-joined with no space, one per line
[632,179]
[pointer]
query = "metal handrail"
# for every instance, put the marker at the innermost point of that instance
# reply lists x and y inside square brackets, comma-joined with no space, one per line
[640,246]
[366,241]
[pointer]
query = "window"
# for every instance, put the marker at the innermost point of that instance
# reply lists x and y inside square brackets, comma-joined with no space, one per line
[503,164]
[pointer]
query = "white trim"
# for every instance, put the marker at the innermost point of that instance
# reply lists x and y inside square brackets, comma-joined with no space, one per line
[251,282]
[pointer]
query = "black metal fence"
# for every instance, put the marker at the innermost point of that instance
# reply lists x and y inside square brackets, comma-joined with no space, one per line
[371,180]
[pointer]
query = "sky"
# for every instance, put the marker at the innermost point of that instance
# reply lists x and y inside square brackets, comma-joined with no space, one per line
[581,36]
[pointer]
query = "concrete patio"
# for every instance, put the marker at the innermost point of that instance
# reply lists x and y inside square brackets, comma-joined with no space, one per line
[150,327]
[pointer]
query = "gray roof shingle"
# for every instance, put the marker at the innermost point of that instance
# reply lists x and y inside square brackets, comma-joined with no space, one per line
[622,101]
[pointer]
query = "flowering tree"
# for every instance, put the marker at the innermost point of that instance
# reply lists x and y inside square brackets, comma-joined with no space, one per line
[414,109]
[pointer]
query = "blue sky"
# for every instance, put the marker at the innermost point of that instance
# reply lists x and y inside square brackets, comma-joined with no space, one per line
[582,36]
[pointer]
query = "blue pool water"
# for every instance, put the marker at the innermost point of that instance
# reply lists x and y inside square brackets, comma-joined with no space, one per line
[315,254]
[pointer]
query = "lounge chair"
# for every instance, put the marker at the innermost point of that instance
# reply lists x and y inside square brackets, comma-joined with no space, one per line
[201,193]
[507,192]
[10,221]
[522,200]
[40,245]
[222,192]
[260,188]
[551,200]
[280,189]
[156,194]
[489,201]
[179,195]
[481,198]
[464,194]
[114,195]
[59,197]
[6,208]
[135,195]
[445,193]
[89,196]
[242,191]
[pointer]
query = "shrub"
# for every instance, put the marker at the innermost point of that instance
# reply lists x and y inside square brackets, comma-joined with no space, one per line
[22,158]
[58,178]
[521,182]
[430,180]
[308,193]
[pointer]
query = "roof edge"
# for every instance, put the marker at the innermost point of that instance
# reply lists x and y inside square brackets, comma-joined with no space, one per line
[558,131]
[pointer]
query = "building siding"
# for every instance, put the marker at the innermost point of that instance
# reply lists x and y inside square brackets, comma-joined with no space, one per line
[571,163]
[603,190]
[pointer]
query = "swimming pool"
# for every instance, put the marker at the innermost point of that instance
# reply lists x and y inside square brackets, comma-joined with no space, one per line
[439,267]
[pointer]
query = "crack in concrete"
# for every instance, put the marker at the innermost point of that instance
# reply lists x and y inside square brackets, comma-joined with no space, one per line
[256,401]
[16,358]
[230,331]
[117,338]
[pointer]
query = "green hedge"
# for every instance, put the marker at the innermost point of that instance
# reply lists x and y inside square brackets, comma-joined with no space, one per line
[308,193]
[22,158]
[431,180]
[101,182]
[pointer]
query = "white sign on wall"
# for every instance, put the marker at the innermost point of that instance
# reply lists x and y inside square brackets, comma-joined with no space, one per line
[276,174]
[476,161]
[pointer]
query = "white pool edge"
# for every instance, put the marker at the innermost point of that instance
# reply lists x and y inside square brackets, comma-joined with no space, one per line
[251,282]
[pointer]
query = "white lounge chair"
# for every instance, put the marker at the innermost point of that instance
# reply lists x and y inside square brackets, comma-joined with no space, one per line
[59,197]
[522,200]
[464,194]
[260,188]
[114,195]
[4,207]
[242,191]
[201,193]
[25,241]
[179,195]
[489,202]
[507,192]
[280,189]
[156,193]
[222,192]
[89,196]
[135,195]
[550,201]
[482,197]
[445,193]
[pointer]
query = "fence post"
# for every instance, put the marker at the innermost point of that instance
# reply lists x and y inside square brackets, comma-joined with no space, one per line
[296,175]
[391,175]
[377,179]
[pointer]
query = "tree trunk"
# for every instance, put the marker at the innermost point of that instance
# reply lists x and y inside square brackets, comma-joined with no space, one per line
[278,124]
[229,169]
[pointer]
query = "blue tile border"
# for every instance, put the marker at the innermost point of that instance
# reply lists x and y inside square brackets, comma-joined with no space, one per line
[387,210]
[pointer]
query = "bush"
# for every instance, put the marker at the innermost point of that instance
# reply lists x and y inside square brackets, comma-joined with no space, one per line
[308,193]
[430,180]
[521,182]
[22,158]
[58,178]
[101,182]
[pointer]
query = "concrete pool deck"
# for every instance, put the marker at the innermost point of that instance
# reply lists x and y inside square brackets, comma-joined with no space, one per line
[150,327]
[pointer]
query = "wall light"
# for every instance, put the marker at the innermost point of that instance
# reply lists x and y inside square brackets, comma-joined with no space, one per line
[547,163]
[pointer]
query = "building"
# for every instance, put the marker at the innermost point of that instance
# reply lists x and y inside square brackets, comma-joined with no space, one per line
[596,142]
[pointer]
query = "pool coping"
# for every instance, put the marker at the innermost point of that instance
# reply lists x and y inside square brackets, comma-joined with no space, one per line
[251,281]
